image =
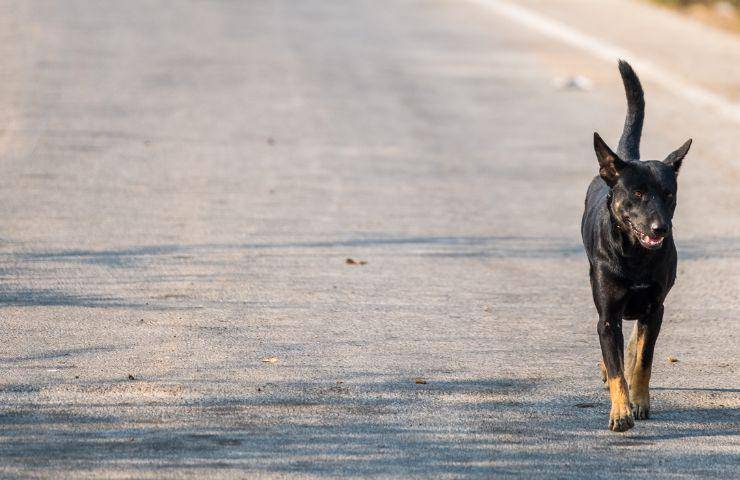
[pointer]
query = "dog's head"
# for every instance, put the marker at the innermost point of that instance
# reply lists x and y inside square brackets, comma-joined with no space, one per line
[643,192]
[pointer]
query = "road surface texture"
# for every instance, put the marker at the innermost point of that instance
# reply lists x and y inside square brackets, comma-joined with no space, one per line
[181,184]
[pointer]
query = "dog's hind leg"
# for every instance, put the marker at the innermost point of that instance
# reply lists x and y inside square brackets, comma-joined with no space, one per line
[602,374]
[645,334]
[629,359]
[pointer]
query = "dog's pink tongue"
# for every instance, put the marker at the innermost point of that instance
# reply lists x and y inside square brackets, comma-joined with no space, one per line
[650,240]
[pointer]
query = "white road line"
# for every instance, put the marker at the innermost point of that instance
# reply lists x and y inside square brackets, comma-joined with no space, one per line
[606,51]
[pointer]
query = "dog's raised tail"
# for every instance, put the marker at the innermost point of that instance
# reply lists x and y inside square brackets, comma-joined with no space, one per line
[629,144]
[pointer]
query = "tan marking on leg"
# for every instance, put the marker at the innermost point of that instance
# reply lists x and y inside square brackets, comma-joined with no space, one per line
[620,417]
[639,385]
[629,361]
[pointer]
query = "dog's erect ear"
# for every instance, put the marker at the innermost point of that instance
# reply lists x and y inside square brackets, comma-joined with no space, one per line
[610,165]
[675,158]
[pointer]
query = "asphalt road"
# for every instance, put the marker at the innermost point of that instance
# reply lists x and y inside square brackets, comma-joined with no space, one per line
[181,184]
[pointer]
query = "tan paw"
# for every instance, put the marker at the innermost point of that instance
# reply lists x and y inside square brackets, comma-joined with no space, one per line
[621,419]
[641,407]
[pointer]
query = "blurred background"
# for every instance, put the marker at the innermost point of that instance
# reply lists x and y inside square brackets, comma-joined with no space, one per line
[720,13]
[341,238]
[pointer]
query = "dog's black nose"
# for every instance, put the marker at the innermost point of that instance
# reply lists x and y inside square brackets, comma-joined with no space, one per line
[659,229]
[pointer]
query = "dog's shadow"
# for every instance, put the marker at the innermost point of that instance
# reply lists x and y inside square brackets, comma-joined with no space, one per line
[704,421]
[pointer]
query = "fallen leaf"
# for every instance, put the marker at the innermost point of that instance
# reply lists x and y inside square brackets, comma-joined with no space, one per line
[352,261]
[420,381]
[270,360]
[672,360]
[574,82]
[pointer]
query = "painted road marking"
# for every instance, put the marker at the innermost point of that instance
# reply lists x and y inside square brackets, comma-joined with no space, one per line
[605,51]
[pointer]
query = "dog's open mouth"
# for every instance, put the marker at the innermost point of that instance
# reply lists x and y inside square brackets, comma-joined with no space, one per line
[646,240]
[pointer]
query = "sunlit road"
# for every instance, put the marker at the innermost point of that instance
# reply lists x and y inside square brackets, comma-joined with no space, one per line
[182,183]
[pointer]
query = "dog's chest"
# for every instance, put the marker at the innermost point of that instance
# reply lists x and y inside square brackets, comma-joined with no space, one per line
[640,276]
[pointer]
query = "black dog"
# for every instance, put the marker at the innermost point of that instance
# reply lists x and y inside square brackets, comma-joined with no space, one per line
[626,230]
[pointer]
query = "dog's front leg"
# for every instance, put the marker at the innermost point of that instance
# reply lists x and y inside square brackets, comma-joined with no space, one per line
[646,333]
[612,349]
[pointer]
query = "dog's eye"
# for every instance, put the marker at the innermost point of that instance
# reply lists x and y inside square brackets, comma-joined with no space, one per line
[637,193]
[669,194]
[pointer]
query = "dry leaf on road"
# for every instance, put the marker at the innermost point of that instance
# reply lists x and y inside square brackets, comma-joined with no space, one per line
[352,261]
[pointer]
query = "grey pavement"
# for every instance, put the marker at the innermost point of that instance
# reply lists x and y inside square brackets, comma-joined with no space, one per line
[181,183]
